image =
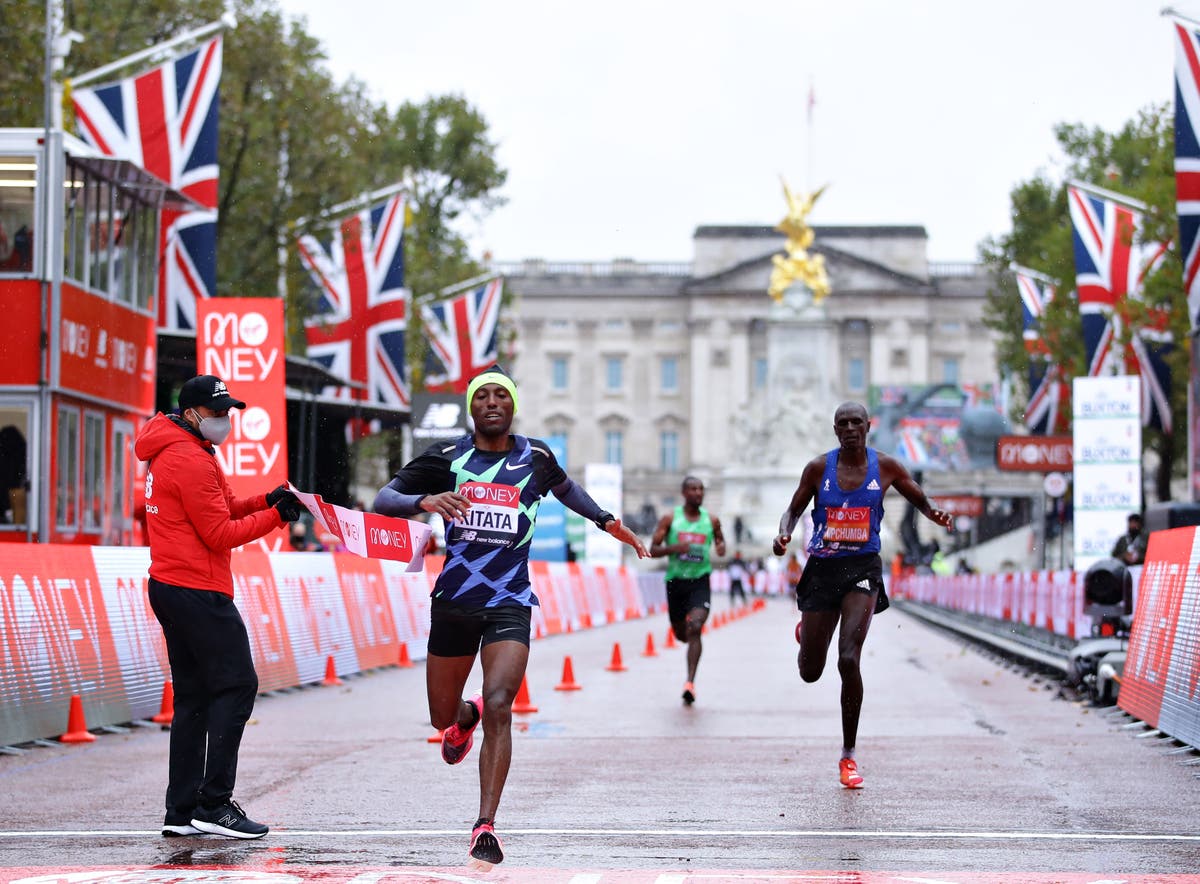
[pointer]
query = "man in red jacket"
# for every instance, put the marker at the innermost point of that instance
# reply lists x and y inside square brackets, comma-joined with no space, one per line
[194,521]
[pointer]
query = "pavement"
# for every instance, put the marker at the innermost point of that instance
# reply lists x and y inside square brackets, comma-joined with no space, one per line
[975,772]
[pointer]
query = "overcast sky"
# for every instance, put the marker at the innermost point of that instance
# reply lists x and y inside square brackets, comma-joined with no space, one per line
[624,125]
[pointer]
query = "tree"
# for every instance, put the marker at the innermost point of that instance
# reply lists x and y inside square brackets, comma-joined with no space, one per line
[1137,161]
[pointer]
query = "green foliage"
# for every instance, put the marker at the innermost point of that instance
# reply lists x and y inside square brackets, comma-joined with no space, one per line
[1137,162]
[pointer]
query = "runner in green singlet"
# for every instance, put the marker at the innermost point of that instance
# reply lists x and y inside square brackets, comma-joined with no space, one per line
[685,537]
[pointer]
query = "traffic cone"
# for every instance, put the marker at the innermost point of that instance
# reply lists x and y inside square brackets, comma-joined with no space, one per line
[616,665]
[435,738]
[670,643]
[568,682]
[522,705]
[405,661]
[77,731]
[167,711]
[649,651]
[331,679]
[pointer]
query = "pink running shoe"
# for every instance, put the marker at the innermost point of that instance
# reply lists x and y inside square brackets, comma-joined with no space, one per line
[849,775]
[486,849]
[457,742]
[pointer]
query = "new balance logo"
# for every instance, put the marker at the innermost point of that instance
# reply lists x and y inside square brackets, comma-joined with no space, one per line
[872,485]
[863,584]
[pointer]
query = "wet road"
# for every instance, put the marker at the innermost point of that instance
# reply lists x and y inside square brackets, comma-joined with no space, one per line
[973,772]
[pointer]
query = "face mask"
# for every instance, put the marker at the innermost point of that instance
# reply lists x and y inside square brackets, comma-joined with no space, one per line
[215,429]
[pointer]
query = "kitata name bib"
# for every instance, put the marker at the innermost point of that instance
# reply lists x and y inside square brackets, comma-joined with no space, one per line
[492,518]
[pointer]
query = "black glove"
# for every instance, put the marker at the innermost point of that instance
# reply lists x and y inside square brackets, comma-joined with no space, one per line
[289,508]
[277,494]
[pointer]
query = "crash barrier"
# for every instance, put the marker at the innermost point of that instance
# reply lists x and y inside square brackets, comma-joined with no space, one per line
[762,581]
[1051,600]
[75,621]
[1161,681]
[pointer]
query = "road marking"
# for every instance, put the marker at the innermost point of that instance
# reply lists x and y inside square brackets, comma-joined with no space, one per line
[875,834]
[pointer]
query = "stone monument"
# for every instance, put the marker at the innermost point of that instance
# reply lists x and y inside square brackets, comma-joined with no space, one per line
[784,426]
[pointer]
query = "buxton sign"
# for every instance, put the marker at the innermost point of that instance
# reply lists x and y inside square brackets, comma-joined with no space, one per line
[1035,454]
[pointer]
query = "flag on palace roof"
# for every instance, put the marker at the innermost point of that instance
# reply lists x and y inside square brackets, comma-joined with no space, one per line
[358,330]
[1111,266]
[463,333]
[165,120]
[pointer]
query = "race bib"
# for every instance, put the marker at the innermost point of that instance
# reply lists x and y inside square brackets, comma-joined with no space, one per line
[697,543]
[847,524]
[492,518]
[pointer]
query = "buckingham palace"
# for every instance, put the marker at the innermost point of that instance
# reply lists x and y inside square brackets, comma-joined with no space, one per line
[670,369]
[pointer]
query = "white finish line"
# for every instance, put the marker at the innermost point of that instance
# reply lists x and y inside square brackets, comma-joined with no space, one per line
[281,833]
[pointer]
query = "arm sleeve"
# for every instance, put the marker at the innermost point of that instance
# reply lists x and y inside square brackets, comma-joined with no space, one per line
[428,474]
[207,506]
[575,498]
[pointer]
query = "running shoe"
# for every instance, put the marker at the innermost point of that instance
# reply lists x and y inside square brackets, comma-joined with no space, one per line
[486,849]
[689,694]
[179,830]
[848,772]
[229,819]
[457,742]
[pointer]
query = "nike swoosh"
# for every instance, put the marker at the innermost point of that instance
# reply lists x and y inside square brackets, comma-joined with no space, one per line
[519,466]
[507,629]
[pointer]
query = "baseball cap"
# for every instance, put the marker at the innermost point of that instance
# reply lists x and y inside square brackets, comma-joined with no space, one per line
[207,390]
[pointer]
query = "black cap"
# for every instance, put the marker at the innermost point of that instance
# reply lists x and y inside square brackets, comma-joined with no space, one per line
[207,390]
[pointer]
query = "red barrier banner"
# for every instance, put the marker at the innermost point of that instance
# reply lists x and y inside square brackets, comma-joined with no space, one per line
[1160,595]
[240,340]
[258,600]
[315,613]
[368,610]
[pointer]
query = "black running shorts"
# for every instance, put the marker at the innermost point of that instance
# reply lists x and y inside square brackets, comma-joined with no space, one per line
[684,595]
[460,630]
[826,581]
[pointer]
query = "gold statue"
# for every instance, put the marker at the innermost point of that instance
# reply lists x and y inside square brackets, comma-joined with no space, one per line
[798,264]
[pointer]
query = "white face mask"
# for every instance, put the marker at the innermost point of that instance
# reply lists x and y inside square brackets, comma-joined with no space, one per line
[215,429]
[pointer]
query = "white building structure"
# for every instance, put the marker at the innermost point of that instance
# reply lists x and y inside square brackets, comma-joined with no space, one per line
[690,368]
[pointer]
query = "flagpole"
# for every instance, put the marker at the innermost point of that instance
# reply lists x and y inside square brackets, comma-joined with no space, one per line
[357,202]
[1108,194]
[1171,12]
[227,21]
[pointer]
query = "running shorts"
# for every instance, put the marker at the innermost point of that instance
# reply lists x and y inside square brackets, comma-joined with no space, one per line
[826,581]
[684,595]
[460,630]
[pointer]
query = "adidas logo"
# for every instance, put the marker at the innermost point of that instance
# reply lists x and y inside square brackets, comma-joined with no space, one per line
[863,584]
[826,484]
[872,485]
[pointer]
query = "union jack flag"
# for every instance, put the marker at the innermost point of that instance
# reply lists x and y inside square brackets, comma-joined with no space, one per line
[1045,413]
[1187,160]
[462,336]
[359,332]
[165,120]
[1111,265]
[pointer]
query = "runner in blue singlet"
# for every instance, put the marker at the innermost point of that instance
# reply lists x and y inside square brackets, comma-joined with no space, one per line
[487,487]
[843,578]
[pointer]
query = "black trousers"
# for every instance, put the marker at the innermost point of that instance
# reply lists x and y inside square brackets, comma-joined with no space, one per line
[215,684]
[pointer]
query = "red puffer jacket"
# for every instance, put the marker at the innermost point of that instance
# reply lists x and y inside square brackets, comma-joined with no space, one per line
[193,518]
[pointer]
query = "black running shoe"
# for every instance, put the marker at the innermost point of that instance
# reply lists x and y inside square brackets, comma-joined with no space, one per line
[486,850]
[229,819]
[689,694]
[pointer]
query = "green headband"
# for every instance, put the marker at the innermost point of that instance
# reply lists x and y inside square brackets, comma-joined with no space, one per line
[492,377]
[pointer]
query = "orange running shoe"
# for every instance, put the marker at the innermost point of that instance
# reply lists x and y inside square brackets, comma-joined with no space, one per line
[689,694]
[457,741]
[848,772]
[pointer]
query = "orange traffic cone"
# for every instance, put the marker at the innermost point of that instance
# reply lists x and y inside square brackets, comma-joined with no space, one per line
[331,678]
[670,643]
[522,704]
[77,731]
[435,738]
[616,665]
[404,661]
[568,682]
[649,651]
[167,711]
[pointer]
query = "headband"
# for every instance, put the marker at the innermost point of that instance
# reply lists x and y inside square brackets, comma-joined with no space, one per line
[492,377]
